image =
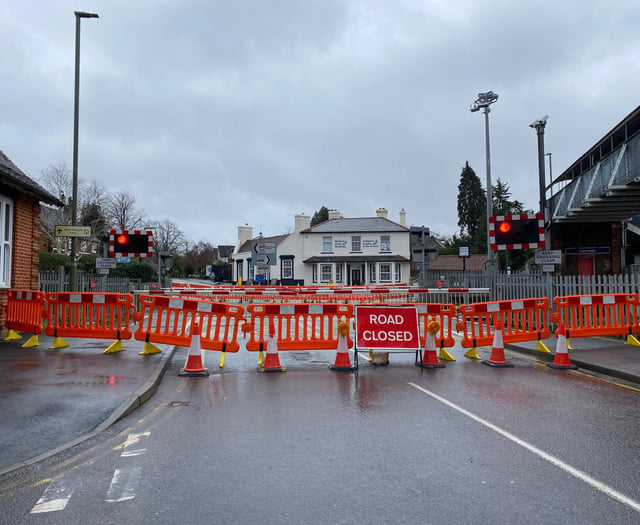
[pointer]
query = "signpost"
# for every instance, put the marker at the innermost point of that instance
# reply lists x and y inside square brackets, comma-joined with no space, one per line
[63,230]
[263,253]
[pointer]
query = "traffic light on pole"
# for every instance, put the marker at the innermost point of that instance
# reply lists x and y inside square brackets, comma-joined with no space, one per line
[516,232]
[127,243]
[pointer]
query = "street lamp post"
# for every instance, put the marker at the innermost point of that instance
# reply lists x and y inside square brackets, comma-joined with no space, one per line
[539,126]
[483,101]
[73,269]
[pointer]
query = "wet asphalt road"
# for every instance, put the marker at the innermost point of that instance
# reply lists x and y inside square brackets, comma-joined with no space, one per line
[464,444]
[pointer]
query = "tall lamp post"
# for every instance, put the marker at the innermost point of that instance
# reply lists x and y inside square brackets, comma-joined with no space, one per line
[483,101]
[539,126]
[73,269]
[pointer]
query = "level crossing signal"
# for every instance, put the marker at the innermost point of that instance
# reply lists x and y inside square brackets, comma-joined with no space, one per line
[135,243]
[516,232]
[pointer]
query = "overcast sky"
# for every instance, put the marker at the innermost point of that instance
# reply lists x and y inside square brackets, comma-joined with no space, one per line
[215,114]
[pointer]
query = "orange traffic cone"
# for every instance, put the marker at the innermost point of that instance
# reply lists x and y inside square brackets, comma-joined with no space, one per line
[343,363]
[561,359]
[271,359]
[497,352]
[430,356]
[193,367]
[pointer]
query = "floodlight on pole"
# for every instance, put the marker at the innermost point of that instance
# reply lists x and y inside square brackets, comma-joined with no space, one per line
[483,101]
[73,268]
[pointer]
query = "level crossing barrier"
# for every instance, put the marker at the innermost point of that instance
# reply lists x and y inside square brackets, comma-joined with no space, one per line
[599,315]
[92,315]
[25,311]
[168,320]
[298,326]
[522,320]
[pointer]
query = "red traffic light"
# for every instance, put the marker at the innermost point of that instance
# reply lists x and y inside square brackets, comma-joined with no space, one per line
[130,243]
[122,238]
[504,227]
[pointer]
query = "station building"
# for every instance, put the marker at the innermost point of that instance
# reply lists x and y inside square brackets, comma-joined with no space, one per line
[342,251]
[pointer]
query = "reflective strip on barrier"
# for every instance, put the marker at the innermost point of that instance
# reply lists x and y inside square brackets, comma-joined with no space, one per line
[168,320]
[93,315]
[25,311]
[522,320]
[605,314]
[300,326]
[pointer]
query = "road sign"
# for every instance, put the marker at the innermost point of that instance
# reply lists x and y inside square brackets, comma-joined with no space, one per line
[263,253]
[72,231]
[387,328]
[105,263]
[548,257]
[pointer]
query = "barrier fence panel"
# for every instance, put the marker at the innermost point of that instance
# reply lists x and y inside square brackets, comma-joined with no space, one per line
[299,326]
[94,315]
[603,314]
[25,311]
[168,320]
[522,320]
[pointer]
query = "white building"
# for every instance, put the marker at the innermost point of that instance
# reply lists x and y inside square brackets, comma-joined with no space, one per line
[344,251]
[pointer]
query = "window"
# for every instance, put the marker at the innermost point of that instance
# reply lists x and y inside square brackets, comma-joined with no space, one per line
[398,271]
[356,243]
[385,273]
[239,269]
[314,276]
[327,244]
[372,273]
[251,270]
[385,243]
[338,273]
[287,269]
[6,233]
[326,272]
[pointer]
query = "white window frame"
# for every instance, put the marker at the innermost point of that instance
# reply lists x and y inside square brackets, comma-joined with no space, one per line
[398,272]
[327,244]
[385,243]
[314,273]
[6,244]
[326,272]
[287,269]
[356,243]
[338,273]
[372,273]
[385,272]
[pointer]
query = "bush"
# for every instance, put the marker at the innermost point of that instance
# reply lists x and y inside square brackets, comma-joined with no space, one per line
[50,262]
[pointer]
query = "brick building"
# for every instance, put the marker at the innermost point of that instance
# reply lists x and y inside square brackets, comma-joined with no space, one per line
[20,201]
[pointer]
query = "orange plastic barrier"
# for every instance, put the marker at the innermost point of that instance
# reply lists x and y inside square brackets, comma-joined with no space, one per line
[93,315]
[603,314]
[299,326]
[522,320]
[25,311]
[168,320]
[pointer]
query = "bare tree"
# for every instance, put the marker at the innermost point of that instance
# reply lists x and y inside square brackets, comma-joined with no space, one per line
[121,212]
[167,236]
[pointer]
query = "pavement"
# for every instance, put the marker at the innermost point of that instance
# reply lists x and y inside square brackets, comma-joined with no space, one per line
[54,399]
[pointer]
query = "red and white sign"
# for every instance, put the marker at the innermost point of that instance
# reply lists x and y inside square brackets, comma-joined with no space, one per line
[387,328]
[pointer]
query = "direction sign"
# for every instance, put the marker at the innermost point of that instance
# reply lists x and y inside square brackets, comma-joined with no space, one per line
[63,230]
[387,328]
[263,253]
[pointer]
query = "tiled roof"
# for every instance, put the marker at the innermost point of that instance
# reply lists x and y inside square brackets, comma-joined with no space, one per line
[453,262]
[362,224]
[246,247]
[15,179]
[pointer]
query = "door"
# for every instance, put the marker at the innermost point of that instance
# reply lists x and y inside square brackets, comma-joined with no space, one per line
[355,276]
[586,266]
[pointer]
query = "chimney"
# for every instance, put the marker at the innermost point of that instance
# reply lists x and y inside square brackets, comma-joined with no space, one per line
[303,222]
[381,212]
[334,214]
[403,217]
[245,233]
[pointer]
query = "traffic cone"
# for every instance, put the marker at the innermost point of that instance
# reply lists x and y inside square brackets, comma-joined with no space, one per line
[430,356]
[193,367]
[342,363]
[497,351]
[561,359]
[271,359]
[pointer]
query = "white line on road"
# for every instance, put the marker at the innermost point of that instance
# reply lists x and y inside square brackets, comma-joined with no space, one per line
[123,485]
[576,473]
[55,497]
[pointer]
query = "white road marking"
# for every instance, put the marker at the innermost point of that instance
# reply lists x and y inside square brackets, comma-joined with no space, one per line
[132,439]
[55,497]
[576,473]
[123,485]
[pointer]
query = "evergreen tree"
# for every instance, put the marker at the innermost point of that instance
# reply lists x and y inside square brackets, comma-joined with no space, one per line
[472,210]
[320,216]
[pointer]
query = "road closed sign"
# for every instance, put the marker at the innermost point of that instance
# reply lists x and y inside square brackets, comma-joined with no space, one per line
[387,328]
